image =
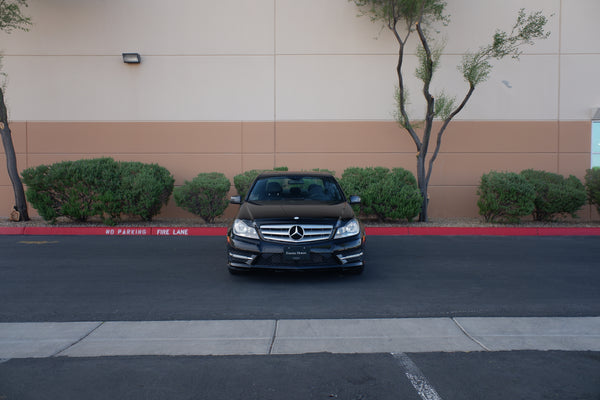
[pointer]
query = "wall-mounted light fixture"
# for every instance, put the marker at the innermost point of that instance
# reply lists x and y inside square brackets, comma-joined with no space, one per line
[132,58]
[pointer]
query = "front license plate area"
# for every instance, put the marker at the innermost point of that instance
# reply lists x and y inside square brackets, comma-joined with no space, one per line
[296,253]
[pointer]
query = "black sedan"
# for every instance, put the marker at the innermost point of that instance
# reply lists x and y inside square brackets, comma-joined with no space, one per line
[295,221]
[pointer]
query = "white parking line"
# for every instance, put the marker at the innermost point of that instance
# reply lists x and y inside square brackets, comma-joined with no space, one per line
[424,389]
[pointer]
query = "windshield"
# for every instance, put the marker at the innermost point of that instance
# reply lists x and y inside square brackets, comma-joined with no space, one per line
[322,189]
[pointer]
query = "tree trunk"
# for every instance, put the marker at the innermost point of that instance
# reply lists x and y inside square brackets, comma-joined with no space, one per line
[11,162]
[422,181]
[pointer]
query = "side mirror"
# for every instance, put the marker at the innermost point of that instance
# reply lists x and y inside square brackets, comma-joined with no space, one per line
[235,200]
[354,200]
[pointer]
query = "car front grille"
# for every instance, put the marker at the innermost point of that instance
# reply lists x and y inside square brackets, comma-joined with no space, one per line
[296,233]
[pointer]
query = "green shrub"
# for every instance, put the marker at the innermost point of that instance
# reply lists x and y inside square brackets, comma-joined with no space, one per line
[357,181]
[144,189]
[205,195]
[384,194]
[243,181]
[554,194]
[505,197]
[389,201]
[74,189]
[328,171]
[592,184]
[99,187]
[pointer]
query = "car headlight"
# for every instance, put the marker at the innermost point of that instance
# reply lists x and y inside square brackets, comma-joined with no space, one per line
[241,228]
[351,228]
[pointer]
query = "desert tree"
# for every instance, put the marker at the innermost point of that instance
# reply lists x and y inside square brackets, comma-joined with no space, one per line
[12,18]
[423,18]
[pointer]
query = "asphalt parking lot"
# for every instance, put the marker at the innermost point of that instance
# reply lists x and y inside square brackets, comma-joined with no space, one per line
[465,376]
[83,278]
[413,288]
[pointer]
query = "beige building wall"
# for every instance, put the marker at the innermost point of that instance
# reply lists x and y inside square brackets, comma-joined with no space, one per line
[241,84]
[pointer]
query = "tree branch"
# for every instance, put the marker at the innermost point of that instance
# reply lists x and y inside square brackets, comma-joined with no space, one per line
[401,91]
[438,144]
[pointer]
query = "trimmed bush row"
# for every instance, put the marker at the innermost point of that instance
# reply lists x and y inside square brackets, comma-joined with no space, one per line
[507,196]
[109,189]
[99,187]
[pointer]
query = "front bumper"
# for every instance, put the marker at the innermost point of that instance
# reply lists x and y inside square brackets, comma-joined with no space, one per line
[249,254]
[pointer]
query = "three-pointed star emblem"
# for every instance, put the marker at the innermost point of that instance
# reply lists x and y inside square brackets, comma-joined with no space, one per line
[296,232]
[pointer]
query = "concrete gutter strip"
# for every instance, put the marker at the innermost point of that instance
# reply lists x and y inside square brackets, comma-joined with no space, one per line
[263,337]
[41,339]
[370,231]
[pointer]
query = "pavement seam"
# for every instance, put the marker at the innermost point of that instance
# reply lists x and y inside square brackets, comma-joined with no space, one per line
[467,334]
[57,354]
[273,337]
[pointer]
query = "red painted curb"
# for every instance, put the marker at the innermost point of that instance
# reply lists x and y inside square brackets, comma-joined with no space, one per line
[97,231]
[477,231]
[569,231]
[480,231]
[386,231]
[12,231]
[371,231]
[199,231]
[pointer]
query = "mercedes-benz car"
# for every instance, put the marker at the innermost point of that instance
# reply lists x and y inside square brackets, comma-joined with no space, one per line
[295,221]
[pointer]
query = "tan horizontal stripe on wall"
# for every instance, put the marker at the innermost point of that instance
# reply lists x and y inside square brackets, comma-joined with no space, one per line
[470,148]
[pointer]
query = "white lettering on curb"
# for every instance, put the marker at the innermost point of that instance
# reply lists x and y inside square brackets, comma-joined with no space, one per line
[173,232]
[126,231]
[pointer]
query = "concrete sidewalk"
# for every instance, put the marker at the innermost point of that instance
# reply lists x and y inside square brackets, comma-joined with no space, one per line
[262,337]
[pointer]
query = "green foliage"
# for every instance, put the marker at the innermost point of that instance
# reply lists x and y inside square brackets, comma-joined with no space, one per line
[205,195]
[444,106]
[75,189]
[389,201]
[476,67]
[554,194]
[356,181]
[145,188]
[592,184]
[99,187]
[391,12]
[328,171]
[11,17]
[505,197]
[243,181]
[385,194]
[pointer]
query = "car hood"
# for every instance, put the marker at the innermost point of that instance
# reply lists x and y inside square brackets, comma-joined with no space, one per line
[291,210]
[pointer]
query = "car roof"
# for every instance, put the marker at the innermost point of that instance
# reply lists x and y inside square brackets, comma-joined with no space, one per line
[268,174]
